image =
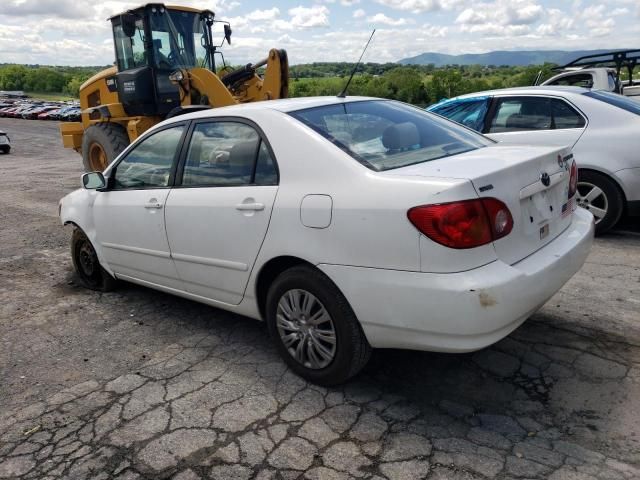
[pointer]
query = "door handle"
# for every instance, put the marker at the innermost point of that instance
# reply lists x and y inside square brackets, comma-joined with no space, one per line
[153,204]
[256,207]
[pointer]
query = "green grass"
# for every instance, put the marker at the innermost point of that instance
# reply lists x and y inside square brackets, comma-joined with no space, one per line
[52,97]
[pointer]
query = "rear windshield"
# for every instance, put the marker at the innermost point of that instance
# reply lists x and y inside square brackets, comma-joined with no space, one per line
[383,134]
[616,100]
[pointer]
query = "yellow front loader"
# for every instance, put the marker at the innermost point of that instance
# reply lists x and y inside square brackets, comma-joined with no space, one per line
[165,66]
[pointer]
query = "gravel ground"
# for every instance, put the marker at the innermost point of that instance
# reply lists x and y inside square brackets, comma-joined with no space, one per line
[140,384]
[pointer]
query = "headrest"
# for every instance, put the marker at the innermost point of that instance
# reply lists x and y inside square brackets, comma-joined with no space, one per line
[243,154]
[400,136]
[157,43]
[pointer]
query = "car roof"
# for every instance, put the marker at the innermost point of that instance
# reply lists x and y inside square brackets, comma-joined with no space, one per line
[539,90]
[283,105]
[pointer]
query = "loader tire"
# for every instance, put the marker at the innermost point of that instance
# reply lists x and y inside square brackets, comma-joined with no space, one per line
[101,144]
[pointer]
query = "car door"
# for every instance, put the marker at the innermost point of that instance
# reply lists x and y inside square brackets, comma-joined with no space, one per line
[129,217]
[536,120]
[218,213]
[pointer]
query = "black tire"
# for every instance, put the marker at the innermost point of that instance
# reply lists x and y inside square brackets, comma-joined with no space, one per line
[87,265]
[352,351]
[611,199]
[111,138]
[6,150]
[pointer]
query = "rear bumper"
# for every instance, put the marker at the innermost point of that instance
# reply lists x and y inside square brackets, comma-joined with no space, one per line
[461,312]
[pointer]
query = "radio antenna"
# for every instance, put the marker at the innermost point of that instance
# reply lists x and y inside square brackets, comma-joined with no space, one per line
[343,93]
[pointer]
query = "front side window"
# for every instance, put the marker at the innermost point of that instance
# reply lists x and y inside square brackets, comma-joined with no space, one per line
[149,163]
[178,38]
[534,113]
[130,50]
[227,153]
[467,112]
[383,134]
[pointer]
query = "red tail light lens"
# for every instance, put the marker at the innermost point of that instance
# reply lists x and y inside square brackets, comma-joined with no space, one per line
[573,179]
[463,224]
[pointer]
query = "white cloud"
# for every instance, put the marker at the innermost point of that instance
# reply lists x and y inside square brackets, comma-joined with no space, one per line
[556,22]
[359,13]
[416,6]
[49,8]
[259,15]
[381,18]
[309,17]
[76,32]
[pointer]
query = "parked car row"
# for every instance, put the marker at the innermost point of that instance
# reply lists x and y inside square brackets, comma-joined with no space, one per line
[35,110]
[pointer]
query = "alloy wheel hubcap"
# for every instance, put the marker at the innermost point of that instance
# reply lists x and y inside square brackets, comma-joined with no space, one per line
[306,329]
[592,198]
[87,259]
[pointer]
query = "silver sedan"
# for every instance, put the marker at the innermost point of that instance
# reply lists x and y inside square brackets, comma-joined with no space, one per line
[601,127]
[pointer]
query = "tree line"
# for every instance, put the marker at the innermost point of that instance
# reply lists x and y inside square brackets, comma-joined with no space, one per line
[45,79]
[417,84]
[420,85]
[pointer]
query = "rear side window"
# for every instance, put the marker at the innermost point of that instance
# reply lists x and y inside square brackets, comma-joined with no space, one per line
[467,112]
[384,134]
[616,100]
[226,153]
[534,113]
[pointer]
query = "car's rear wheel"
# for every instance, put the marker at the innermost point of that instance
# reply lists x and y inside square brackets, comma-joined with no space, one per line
[315,329]
[598,194]
[87,265]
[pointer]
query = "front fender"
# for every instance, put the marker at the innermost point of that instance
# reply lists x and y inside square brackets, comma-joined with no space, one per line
[76,209]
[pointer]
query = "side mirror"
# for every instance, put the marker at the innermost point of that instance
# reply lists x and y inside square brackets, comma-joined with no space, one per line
[227,33]
[93,180]
[128,22]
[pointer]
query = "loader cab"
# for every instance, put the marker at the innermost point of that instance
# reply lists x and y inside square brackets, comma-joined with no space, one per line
[151,42]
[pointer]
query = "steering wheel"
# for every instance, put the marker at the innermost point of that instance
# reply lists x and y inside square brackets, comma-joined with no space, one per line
[171,58]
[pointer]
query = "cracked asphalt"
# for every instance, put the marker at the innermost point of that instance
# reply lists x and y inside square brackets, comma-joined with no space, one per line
[137,384]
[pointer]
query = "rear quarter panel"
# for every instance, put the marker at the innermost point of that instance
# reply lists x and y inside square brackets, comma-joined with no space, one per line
[369,225]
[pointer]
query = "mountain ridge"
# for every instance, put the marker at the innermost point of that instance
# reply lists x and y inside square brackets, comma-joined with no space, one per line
[500,57]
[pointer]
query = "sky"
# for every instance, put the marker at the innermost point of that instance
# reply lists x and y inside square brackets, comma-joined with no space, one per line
[76,32]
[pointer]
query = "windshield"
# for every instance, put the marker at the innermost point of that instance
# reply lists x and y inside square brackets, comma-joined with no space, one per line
[178,39]
[616,100]
[383,134]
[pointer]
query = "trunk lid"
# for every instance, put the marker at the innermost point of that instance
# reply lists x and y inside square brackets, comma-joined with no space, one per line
[532,181]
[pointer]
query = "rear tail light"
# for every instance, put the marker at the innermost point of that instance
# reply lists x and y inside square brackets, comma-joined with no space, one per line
[573,179]
[463,224]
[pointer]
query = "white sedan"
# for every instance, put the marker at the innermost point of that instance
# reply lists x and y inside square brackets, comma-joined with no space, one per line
[345,224]
[600,127]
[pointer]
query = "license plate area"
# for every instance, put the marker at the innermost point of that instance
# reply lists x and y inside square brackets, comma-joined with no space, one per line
[544,231]
[542,210]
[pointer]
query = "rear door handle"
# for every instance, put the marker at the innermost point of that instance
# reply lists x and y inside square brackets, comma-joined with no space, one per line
[256,207]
